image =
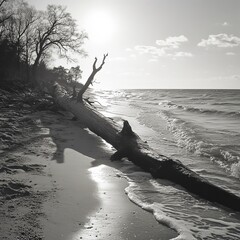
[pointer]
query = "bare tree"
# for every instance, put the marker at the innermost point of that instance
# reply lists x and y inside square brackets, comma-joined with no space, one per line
[25,18]
[20,26]
[18,31]
[57,30]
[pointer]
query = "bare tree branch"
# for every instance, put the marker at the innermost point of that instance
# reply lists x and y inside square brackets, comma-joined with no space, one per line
[6,17]
[91,78]
[1,3]
[103,61]
[94,64]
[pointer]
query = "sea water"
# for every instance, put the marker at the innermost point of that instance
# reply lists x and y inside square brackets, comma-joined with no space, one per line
[201,128]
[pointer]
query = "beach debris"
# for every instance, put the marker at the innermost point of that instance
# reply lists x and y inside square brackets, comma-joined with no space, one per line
[88,227]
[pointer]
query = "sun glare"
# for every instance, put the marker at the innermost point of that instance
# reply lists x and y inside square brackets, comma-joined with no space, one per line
[100,26]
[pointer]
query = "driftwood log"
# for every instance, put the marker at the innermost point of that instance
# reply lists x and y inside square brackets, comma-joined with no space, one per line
[128,144]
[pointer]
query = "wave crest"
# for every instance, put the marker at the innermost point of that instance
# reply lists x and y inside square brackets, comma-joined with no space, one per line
[173,105]
[187,136]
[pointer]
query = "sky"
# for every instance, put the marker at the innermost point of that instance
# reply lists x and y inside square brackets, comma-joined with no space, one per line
[167,44]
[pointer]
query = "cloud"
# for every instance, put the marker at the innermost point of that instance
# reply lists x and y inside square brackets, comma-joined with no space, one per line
[145,49]
[230,54]
[150,49]
[183,54]
[172,42]
[221,40]
[128,50]
[160,52]
[164,48]
[153,60]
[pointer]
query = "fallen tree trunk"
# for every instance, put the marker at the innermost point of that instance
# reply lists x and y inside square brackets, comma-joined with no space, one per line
[128,144]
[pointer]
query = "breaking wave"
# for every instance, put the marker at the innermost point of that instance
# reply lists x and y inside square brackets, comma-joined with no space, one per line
[187,136]
[171,104]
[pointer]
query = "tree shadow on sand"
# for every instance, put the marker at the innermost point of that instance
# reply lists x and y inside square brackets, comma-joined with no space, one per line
[68,134]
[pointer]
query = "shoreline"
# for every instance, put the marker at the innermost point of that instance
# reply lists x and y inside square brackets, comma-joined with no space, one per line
[78,192]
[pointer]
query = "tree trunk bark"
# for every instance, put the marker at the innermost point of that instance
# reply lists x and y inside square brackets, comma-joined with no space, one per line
[128,144]
[35,69]
[85,86]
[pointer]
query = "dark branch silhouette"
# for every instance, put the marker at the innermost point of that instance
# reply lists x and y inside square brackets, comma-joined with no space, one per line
[91,77]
